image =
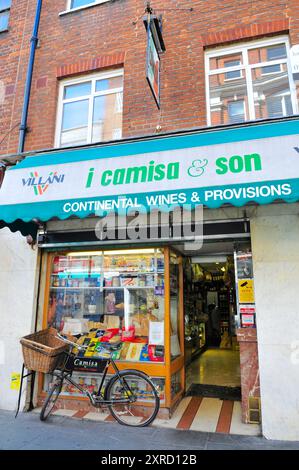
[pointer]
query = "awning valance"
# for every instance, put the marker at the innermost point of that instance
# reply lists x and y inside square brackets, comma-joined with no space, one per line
[258,163]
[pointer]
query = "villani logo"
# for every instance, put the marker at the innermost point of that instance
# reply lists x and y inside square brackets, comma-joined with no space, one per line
[40,184]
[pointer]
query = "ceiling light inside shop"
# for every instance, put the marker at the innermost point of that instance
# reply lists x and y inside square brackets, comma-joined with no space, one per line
[140,251]
[84,254]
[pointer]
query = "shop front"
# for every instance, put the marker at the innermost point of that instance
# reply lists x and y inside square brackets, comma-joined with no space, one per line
[170,303]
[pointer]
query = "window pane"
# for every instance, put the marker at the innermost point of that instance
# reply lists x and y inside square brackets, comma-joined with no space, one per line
[75,91]
[4,4]
[4,18]
[222,61]
[233,73]
[276,52]
[271,93]
[222,95]
[75,123]
[80,3]
[109,83]
[107,117]
[271,69]
[236,111]
[274,106]
[266,54]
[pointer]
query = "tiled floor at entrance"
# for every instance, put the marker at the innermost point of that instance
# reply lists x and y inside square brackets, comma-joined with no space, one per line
[215,367]
[209,415]
[193,413]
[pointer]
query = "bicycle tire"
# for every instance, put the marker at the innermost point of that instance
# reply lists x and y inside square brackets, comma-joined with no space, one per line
[48,405]
[130,374]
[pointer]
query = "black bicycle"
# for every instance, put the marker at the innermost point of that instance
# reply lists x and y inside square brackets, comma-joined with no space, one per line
[130,395]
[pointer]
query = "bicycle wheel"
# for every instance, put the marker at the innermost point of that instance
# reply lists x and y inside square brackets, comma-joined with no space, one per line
[145,398]
[51,400]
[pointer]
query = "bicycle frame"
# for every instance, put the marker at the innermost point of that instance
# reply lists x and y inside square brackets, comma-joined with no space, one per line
[97,399]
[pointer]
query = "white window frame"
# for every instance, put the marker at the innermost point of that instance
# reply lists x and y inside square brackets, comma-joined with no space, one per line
[83,7]
[93,78]
[246,68]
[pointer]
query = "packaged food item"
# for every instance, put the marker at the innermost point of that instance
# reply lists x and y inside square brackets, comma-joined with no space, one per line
[115,281]
[128,333]
[144,356]
[115,339]
[91,348]
[101,351]
[134,352]
[124,351]
[112,321]
[128,281]
[156,353]
[115,355]
[109,334]
[108,281]
[100,333]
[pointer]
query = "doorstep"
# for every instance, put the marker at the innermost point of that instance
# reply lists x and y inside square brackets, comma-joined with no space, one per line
[193,413]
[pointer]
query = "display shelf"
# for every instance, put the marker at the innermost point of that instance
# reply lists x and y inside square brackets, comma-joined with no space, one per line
[103,288]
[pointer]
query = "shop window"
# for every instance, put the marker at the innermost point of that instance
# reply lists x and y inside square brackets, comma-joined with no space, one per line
[244,81]
[4,14]
[111,297]
[76,4]
[90,109]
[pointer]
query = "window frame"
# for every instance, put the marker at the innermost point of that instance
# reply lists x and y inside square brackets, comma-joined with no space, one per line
[94,77]
[4,10]
[246,69]
[88,5]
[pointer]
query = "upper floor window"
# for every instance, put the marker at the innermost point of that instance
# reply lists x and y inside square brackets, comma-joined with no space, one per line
[4,14]
[73,4]
[90,109]
[250,81]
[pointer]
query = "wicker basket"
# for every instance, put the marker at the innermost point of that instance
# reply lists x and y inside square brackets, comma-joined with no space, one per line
[42,351]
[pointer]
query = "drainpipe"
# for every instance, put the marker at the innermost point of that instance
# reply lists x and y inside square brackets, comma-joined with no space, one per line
[34,41]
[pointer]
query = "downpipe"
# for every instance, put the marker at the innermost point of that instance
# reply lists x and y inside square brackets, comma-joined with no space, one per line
[27,92]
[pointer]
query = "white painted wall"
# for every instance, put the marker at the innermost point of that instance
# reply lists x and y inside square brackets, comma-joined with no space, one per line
[17,290]
[275,247]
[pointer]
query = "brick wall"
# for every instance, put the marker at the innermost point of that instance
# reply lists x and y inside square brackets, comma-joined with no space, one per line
[112,34]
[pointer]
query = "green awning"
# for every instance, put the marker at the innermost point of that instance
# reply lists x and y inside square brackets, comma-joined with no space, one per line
[256,163]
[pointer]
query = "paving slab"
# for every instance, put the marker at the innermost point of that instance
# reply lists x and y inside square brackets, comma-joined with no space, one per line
[27,432]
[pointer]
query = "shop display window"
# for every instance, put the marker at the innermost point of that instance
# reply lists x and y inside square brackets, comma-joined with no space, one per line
[112,297]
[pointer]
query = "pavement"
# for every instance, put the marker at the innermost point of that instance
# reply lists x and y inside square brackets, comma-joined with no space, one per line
[27,432]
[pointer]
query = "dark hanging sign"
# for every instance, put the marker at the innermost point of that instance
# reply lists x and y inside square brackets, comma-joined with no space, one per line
[155,46]
[153,66]
[156,29]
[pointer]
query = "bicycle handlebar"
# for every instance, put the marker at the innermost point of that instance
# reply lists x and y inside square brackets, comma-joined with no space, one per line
[71,343]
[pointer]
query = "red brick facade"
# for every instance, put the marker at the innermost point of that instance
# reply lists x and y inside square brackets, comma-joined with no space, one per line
[112,34]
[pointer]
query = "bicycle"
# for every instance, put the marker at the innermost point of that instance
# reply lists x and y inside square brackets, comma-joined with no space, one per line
[126,394]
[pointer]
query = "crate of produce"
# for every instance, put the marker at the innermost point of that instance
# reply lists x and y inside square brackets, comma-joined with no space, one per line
[42,351]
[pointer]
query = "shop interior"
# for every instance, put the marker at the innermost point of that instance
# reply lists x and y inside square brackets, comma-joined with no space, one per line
[212,355]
